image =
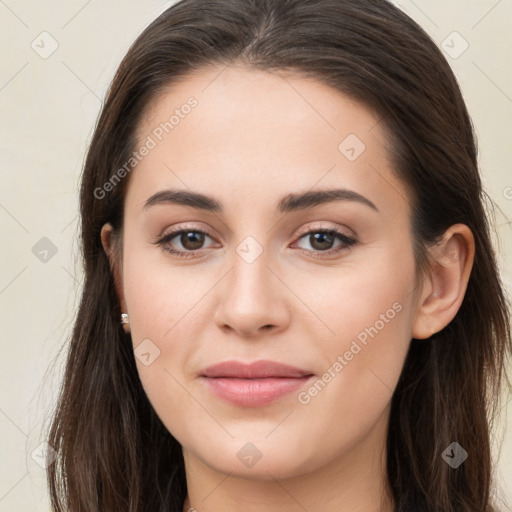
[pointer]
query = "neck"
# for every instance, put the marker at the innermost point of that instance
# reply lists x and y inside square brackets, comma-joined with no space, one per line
[355,481]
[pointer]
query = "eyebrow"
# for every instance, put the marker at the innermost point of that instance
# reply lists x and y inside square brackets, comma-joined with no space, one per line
[288,203]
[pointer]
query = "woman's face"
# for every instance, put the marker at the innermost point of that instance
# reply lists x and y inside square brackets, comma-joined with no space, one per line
[262,280]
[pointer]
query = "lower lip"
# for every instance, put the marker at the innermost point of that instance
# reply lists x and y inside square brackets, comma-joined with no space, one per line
[254,392]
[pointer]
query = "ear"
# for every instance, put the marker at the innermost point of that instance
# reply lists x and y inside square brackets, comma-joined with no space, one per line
[444,288]
[112,250]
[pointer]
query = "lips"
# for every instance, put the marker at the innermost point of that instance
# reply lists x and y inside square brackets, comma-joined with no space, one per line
[256,370]
[255,384]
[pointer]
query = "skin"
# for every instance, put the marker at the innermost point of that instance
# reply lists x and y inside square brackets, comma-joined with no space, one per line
[253,138]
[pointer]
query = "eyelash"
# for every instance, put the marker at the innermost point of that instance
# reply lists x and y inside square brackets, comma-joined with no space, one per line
[345,239]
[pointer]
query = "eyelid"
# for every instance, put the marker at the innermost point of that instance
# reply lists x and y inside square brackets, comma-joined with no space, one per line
[322,227]
[349,240]
[176,231]
[186,226]
[300,232]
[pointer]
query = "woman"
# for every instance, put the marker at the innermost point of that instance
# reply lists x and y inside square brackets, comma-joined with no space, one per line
[291,301]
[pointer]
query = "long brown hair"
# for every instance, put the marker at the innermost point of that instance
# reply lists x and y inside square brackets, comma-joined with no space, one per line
[114,454]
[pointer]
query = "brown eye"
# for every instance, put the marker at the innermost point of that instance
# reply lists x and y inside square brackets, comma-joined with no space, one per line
[184,242]
[191,240]
[321,241]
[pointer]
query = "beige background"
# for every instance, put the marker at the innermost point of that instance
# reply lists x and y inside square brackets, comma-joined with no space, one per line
[49,107]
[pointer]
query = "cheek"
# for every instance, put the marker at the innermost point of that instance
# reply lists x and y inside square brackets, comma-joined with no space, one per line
[161,299]
[164,331]
[364,299]
[167,318]
[370,311]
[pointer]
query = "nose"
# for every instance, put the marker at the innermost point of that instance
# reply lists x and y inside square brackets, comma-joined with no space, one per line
[252,300]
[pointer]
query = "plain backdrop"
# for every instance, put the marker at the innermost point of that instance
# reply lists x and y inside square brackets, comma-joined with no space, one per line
[57,61]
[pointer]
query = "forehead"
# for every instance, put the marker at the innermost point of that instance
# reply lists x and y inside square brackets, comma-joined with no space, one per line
[235,96]
[229,128]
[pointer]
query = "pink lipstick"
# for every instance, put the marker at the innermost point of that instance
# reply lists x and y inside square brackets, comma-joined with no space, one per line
[255,384]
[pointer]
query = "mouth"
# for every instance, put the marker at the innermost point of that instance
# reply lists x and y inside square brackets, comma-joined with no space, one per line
[255,384]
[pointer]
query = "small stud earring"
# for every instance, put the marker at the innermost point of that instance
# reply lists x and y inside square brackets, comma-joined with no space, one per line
[434,294]
[125,322]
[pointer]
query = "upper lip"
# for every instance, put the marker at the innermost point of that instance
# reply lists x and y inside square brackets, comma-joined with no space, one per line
[255,370]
